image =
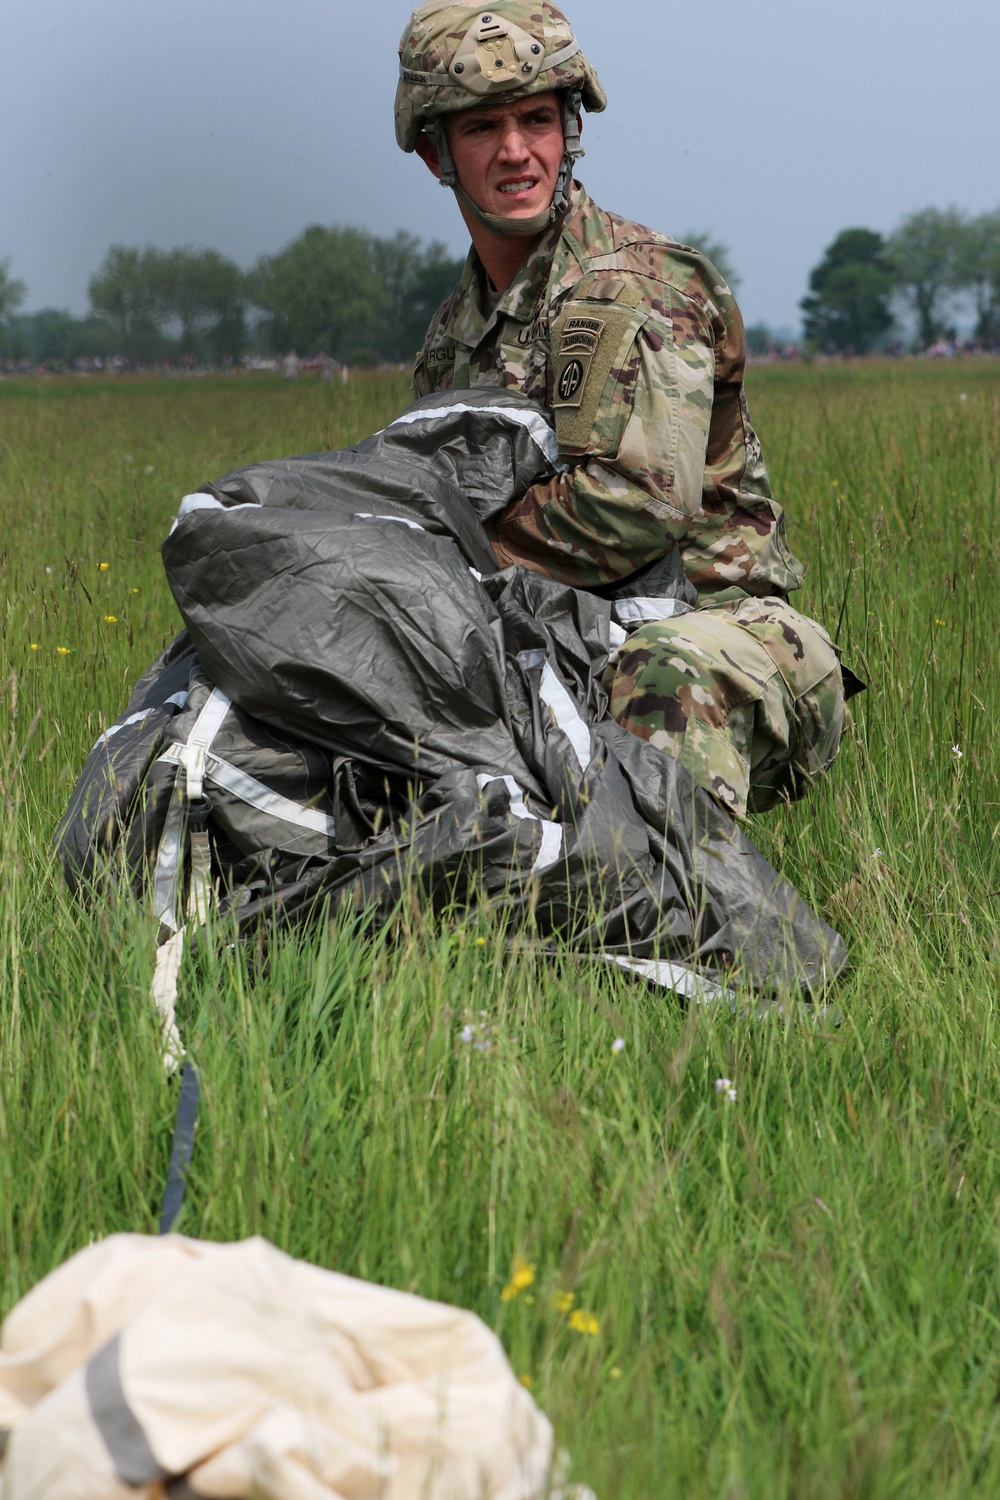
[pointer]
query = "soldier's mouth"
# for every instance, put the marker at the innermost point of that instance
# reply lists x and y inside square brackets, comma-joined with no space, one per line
[524,186]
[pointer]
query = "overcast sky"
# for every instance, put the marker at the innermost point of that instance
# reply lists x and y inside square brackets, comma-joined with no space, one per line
[235,123]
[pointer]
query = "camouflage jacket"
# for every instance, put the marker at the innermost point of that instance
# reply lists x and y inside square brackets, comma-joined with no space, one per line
[637,346]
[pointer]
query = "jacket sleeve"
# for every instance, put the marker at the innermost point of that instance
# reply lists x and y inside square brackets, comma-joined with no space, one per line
[661,452]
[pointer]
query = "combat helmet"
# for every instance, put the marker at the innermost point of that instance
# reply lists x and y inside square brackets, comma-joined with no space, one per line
[456,54]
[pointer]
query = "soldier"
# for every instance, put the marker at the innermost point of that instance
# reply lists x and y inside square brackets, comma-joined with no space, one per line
[636,345]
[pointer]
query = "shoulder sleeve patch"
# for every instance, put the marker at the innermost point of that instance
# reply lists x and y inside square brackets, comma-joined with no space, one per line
[593,375]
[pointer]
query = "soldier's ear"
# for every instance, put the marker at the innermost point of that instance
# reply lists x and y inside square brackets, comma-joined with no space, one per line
[428,153]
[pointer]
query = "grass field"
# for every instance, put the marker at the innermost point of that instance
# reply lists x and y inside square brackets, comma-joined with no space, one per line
[793,1294]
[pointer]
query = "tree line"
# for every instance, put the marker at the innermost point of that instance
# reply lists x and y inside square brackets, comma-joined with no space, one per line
[341,292]
[937,265]
[361,299]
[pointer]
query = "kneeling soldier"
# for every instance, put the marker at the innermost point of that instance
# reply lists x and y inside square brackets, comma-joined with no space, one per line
[637,346]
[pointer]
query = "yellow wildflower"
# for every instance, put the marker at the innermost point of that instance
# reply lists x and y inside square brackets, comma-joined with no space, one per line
[63,650]
[564,1301]
[111,619]
[520,1277]
[584,1322]
[34,645]
[480,942]
[615,1373]
[527,1382]
[103,567]
[135,591]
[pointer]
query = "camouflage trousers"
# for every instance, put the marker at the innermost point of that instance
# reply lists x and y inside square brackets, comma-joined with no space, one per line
[747,695]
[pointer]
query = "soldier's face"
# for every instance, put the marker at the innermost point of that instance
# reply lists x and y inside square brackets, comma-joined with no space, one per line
[508,155]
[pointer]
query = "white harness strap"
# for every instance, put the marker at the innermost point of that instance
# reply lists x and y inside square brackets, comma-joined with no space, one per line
[188,788]
[255,794]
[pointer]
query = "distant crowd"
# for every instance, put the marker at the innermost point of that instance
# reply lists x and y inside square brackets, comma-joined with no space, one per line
[292,366]
[952,346]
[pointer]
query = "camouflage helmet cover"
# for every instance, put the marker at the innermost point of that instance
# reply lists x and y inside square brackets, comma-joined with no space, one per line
[455,54]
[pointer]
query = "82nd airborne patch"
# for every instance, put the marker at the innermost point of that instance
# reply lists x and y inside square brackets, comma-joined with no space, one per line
[578,339]
[590,348]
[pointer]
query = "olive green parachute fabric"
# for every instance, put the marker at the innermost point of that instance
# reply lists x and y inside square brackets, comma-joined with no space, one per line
[363,700]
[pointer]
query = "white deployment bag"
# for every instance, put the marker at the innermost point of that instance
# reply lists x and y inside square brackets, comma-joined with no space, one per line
[172,1367]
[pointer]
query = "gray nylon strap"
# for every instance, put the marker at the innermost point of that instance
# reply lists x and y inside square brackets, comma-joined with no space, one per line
[115,1420]
[181,1147]
[180,1489]
[166,876]
[190,754]
[571,48]
[248,789]
[513,229]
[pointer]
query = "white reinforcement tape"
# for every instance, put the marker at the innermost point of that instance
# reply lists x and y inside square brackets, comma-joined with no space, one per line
[542,435]
[550,847]
[567,716]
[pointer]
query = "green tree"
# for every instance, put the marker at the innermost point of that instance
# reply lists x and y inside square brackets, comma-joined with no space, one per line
[416,280]
[11,291]
[850,291]
[54,337]
[396,262]
[50,336]
[977,272]
[128,290]
[924,252]
[322,293]
[206,294]
[11,296]
[759,338]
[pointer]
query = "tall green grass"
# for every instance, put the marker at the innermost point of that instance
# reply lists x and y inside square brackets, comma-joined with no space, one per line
[796,1293]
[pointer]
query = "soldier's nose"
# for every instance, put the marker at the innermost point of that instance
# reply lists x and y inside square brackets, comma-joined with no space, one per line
[514,146]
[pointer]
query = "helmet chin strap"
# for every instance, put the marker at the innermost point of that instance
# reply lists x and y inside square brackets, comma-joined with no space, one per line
[512,228]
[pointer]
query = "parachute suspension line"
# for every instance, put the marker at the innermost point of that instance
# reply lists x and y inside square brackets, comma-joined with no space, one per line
[187,814]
